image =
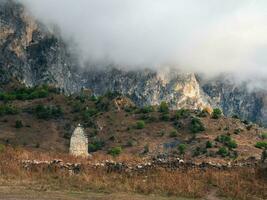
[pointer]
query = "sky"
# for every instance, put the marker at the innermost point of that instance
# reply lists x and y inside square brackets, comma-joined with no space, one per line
[207,36]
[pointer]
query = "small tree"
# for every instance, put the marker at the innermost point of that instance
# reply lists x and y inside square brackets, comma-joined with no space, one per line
[209,144]
[182,148]
[140,124]
[163,108]
[173,134]
[261,145]
[115,151]
[223,152]
[263,136]
[196,126]
[217,113]
[18,124]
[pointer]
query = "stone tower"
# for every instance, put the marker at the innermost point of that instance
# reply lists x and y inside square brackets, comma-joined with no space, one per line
[79,142]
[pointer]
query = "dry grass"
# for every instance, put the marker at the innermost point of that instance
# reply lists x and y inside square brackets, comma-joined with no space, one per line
[245,183]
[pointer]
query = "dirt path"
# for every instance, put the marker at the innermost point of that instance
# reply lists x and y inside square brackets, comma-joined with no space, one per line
[11,193]
[21,193]
[212,195]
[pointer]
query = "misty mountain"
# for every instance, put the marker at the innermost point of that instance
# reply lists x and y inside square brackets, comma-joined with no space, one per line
[34,54]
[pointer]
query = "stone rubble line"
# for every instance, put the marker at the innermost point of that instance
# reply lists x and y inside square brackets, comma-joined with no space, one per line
[112,166]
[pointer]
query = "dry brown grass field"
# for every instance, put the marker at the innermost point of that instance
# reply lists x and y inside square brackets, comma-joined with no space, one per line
[243,183]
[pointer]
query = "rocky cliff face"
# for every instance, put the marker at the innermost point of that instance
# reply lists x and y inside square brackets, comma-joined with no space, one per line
[30,52]
[237,99]
[36,55]
[147,87]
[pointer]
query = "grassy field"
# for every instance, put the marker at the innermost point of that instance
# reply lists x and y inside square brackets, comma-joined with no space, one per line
[39,183]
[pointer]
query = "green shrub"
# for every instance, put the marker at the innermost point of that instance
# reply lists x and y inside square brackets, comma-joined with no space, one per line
[182,148]
[217,113]
[27,93]
[8,110]
[203,113]
[182,113]
[209,144]
[96,145]
[232,144]
[165,117]
[146,109]
[263,136]
[261,145]
[173,134]
[227,140]
[199,151]
[87,114]
[19,124]
[223,139]
[115,151]
[93,98]
[140,124]
[223,152]
[48,112]
[196,126]
[163,107]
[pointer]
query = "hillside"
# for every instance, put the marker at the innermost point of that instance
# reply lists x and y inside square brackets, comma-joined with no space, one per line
[43,119]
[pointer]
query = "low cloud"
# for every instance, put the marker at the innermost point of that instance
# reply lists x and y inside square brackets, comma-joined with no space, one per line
[209,37]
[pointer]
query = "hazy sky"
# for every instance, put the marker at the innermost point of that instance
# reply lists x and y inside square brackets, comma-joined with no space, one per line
[209,36]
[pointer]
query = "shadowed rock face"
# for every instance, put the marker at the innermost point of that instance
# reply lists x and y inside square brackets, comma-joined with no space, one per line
[32,53]
[238,99]
[35,55]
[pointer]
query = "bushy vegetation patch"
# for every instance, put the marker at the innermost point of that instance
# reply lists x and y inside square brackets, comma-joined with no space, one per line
[261,145]
[223,151]
[196,125]
[96,145]
[115,151]
[173,134]
[209,144]
[18,124]
[182,149]
[140,124]
[88,113]
[263,136]
[8,110]
[28,93]
[146,109]
[48,112]
[227,140]
[217,113]
[182,113]
[164,107]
